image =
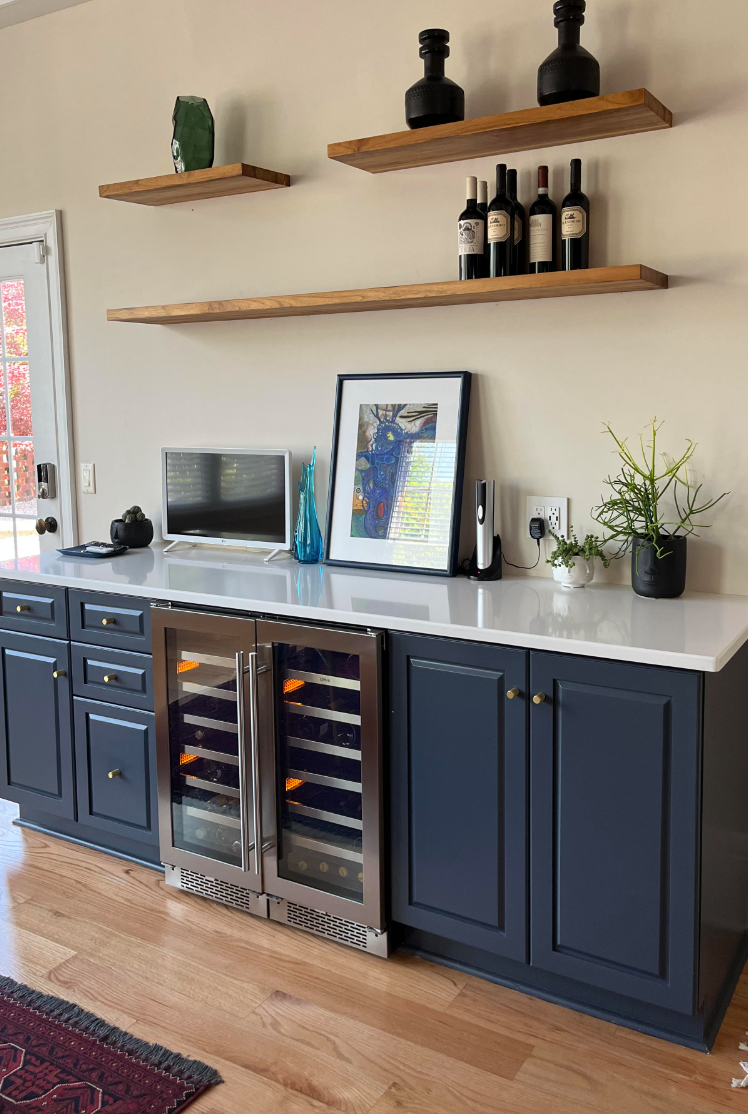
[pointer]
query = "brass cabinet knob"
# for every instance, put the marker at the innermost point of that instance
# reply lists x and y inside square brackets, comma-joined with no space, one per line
[538,698]
[23,607]
[511,693]
[114,773]
[107,622]
[59,673]
[109,677]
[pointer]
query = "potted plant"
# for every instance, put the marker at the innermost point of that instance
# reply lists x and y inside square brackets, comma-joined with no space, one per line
[653,507]
[133,529]
[573,561]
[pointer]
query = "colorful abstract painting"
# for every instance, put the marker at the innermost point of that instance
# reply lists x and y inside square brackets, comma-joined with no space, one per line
[395,458]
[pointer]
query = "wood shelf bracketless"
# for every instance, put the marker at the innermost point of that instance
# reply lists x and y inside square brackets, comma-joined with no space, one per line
[196,185]
[573,122]
[557,284]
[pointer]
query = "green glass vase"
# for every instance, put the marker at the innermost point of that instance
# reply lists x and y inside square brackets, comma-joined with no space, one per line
[193,142]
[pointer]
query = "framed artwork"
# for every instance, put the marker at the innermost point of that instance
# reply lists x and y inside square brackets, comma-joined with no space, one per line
[396,471]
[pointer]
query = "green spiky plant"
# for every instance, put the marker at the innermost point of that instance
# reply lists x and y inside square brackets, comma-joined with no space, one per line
[566,549]
[134,514]
[652,497]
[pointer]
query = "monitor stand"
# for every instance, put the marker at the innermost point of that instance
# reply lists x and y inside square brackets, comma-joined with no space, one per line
[171,545]
[270,556]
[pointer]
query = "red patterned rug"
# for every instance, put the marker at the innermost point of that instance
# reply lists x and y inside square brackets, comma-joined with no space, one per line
[57,1059]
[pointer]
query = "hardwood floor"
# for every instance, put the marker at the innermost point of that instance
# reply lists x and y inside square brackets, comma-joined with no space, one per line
[296,1025]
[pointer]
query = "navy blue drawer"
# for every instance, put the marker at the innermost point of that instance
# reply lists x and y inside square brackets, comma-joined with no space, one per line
[33,609]
[117,676]
[116,769]
[109,620]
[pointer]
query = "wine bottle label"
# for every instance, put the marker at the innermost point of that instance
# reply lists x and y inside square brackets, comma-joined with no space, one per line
[470,237]
[573,222]
[499,227]
[541,238]
[518,230]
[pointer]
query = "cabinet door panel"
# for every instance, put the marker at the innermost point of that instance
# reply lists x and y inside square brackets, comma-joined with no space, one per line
[36,752]
[615,783]
[458,791]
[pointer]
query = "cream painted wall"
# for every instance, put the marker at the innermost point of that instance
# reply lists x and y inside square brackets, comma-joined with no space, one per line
[87,96]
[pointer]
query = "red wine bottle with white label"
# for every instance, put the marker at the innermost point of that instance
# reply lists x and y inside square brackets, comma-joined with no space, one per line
[575,224]
[500,228]
[518,267]
[471,234]
[542,233]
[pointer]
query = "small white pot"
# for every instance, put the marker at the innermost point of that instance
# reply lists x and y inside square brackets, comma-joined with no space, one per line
[576,577]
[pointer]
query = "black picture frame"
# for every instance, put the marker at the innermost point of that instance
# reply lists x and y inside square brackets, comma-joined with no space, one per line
[464,378]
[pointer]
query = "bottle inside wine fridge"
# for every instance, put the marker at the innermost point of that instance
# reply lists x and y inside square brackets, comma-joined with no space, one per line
[542,223]
[575,224]
[500,228]
[471,234]
[519,266]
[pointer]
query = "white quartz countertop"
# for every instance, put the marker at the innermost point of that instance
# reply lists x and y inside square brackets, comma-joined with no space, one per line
[700,632]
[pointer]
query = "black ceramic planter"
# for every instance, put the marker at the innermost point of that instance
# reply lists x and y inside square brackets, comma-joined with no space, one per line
[660,578]
[136,535]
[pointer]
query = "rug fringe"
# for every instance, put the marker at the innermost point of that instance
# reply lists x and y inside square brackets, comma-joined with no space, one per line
[67,1013]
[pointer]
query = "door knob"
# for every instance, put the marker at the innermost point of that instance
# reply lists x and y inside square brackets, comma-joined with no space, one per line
[538,698]
[114,773]
[23,607]
[109,677]
[46,524]
[511,693]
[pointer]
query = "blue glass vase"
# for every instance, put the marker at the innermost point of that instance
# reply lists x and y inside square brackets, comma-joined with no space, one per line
[308,539]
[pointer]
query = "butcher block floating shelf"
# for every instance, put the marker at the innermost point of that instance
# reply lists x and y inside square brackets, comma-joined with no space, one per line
[573,122]
[196,185]
[557,284]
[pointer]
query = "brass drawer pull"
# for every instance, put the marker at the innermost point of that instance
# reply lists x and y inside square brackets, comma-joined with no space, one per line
[511,693]
[109,677]
[23,607]
[59,673]
[107,622]
[114,773]
[538,698]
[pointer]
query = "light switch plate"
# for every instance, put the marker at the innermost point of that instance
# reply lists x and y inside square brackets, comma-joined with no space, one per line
[88,479]
[553,509]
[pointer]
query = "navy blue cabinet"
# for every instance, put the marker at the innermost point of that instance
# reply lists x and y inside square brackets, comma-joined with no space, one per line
[458,775]
[615,774]
[36,747]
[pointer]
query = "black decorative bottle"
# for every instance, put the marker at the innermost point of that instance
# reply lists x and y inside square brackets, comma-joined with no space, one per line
[570,73]
[575,224]
[434,99]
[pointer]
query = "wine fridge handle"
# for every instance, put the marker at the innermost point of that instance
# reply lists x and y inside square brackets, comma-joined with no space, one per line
[254,736]
[241,719]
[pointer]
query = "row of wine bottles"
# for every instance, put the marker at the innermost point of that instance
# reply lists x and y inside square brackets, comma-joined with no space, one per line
[498,239]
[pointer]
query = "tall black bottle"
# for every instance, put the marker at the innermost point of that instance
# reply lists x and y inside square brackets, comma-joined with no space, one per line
[483,206]
[500,228]
[542,234]
[575,224]
[518,267]
[471,234]
[434,99]
[570,73]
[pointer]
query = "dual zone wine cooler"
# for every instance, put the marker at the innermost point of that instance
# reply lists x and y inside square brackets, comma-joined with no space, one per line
[269,769]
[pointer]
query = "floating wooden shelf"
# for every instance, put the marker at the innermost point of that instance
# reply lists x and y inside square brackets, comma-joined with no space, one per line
[557,284]
[557,124]
[196,185]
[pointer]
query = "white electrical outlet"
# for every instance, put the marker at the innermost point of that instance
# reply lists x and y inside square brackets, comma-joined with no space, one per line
[88,479]
[553,510]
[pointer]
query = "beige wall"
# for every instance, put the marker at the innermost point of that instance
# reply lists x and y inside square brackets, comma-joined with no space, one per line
[87,95]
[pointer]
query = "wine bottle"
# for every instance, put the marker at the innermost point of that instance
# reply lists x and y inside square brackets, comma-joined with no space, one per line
[518,267]
[570,73]
[542,228]
[500,228]
[575,224]
[483,206]
[434,99]
[471,234]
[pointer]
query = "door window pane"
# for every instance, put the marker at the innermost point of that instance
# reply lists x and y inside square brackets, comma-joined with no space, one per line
[19,398]
[14,318]
[24,485]
[3,408]
[6,499]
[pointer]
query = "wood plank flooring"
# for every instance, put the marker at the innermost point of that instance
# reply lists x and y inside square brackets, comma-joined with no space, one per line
[297,1025]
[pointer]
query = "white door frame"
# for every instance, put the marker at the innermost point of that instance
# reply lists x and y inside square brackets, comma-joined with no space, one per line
[46,229]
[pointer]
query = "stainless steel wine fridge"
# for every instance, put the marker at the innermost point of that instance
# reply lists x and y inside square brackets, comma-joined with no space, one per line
[270,769]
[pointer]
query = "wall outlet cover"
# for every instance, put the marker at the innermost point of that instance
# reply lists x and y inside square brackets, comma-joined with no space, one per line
[553,509]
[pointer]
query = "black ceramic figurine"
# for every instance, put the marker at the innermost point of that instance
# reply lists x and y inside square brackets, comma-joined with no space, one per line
[434,99]
[570,73]
[133,529]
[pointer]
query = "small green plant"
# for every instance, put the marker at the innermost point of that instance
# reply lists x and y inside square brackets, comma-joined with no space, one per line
[565,550]
[135,514]
[653,496]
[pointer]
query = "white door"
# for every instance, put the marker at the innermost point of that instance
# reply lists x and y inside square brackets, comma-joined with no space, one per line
[29,409]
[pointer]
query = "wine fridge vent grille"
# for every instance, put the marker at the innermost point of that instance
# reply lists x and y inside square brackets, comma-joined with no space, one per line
[216,889]
[334,928]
